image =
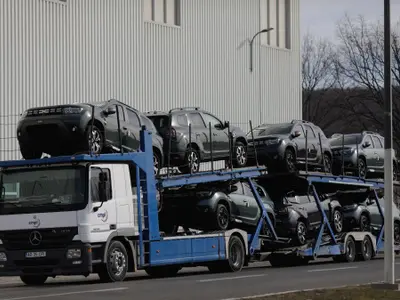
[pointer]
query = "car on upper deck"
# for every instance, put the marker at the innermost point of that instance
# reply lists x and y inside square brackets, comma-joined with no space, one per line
[361,154]
[285,145]
[187,140]
[81,127]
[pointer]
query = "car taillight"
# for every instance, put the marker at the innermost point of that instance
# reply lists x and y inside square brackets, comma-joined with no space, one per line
[171,132]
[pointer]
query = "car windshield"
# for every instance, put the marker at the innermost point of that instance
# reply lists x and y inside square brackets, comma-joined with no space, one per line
[272,129]
[97,104]
[349,139]
[42,190]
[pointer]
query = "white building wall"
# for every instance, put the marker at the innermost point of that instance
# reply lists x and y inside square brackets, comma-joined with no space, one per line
[65,51]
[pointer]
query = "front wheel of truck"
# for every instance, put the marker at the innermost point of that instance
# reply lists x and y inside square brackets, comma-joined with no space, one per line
[116,266]
[33,279]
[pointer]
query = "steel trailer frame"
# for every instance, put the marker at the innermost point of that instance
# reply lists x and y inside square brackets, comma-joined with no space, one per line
[203,248]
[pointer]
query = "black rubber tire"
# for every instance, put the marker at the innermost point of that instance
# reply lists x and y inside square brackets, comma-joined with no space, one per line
[239,159]
[29,153]
[365,223]
[98,137]
[366,249]
[222,217]
[106,273]
[33,280]
[187,167]
[327,163]
[362,168]
[350,254]
[290,161]
[337,223]
[236,258]
[301,233]
[163,271]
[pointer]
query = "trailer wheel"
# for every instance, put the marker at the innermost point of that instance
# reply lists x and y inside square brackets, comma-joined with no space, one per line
[350,254]
[163,271]
[236,258]
[116,266]
[301,233]
[33,279]
[366,249]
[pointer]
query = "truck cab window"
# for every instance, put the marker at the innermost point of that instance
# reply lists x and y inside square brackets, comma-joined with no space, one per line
[94,184]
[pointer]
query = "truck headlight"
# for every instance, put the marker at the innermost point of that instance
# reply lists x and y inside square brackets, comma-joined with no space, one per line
[72,110]
[73,253]
[3,256]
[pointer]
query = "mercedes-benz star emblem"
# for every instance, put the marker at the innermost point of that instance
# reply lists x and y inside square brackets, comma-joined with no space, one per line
[35,238]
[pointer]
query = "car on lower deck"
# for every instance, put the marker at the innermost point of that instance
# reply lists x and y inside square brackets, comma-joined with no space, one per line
[215,207]
[298,216]
[285,147]
[189,140]
[71,128]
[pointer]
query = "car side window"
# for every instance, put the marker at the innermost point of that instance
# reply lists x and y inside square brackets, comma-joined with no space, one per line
[94,184]
[133,118]
[182,120]
[304,199]
[121,113]
[369,139]
[247,190]
[239,188]
[210,119]
[310,132]
[196,120]
[299,129]
[377,142]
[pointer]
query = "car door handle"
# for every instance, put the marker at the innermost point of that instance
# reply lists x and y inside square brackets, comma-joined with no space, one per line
[214,134]
[197,134]
[124,128]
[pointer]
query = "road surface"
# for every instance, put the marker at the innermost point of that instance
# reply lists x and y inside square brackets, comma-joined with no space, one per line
[198,284]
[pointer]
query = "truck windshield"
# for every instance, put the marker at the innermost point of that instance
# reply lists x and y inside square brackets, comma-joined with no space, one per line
[42,190]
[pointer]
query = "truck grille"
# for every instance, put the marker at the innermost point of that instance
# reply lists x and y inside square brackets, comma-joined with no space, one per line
[50,238]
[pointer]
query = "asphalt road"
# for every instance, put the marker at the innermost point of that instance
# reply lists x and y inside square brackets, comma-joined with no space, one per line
[197,283]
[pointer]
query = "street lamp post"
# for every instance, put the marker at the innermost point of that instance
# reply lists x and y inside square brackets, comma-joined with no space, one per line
[388,176]
[251,46]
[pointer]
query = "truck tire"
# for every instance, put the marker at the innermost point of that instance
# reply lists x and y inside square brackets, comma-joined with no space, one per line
[116,266]
[33,279]
[366,249]
[350,254]
[236,258]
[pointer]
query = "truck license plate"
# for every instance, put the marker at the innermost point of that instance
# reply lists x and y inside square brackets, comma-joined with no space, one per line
[35,254]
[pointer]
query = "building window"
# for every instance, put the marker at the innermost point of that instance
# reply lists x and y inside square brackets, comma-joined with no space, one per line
[163,11]
[276,14]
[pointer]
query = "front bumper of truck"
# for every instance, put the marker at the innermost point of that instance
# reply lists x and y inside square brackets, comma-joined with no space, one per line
[75,259]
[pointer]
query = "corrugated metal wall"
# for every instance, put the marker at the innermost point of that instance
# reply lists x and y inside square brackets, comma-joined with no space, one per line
[93,50]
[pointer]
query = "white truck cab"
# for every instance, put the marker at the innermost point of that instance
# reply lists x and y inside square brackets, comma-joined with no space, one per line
[60,219]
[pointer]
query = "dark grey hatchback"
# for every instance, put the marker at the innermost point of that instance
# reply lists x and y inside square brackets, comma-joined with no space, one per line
[66,130]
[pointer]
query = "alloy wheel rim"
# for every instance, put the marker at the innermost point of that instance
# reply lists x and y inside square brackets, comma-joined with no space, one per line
[193,161]
[156,164]
[301,233]
[118,262]
[95,141]
[222,217]
[361,169]
[338,221]
[290,161]
[240,155]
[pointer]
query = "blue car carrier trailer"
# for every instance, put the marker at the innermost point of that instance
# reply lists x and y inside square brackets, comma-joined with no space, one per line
[104,249]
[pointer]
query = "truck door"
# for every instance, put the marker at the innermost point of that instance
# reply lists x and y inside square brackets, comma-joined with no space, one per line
[103,216]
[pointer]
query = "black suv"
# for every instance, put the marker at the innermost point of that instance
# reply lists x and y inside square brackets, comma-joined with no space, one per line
[65,130]
[188,152]
[215,207]
[285,145]
[360,153]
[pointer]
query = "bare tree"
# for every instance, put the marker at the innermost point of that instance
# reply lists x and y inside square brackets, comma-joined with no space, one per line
[318,80]
[360,61]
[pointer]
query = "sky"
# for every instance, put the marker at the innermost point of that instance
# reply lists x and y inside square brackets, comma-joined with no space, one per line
[319,17]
